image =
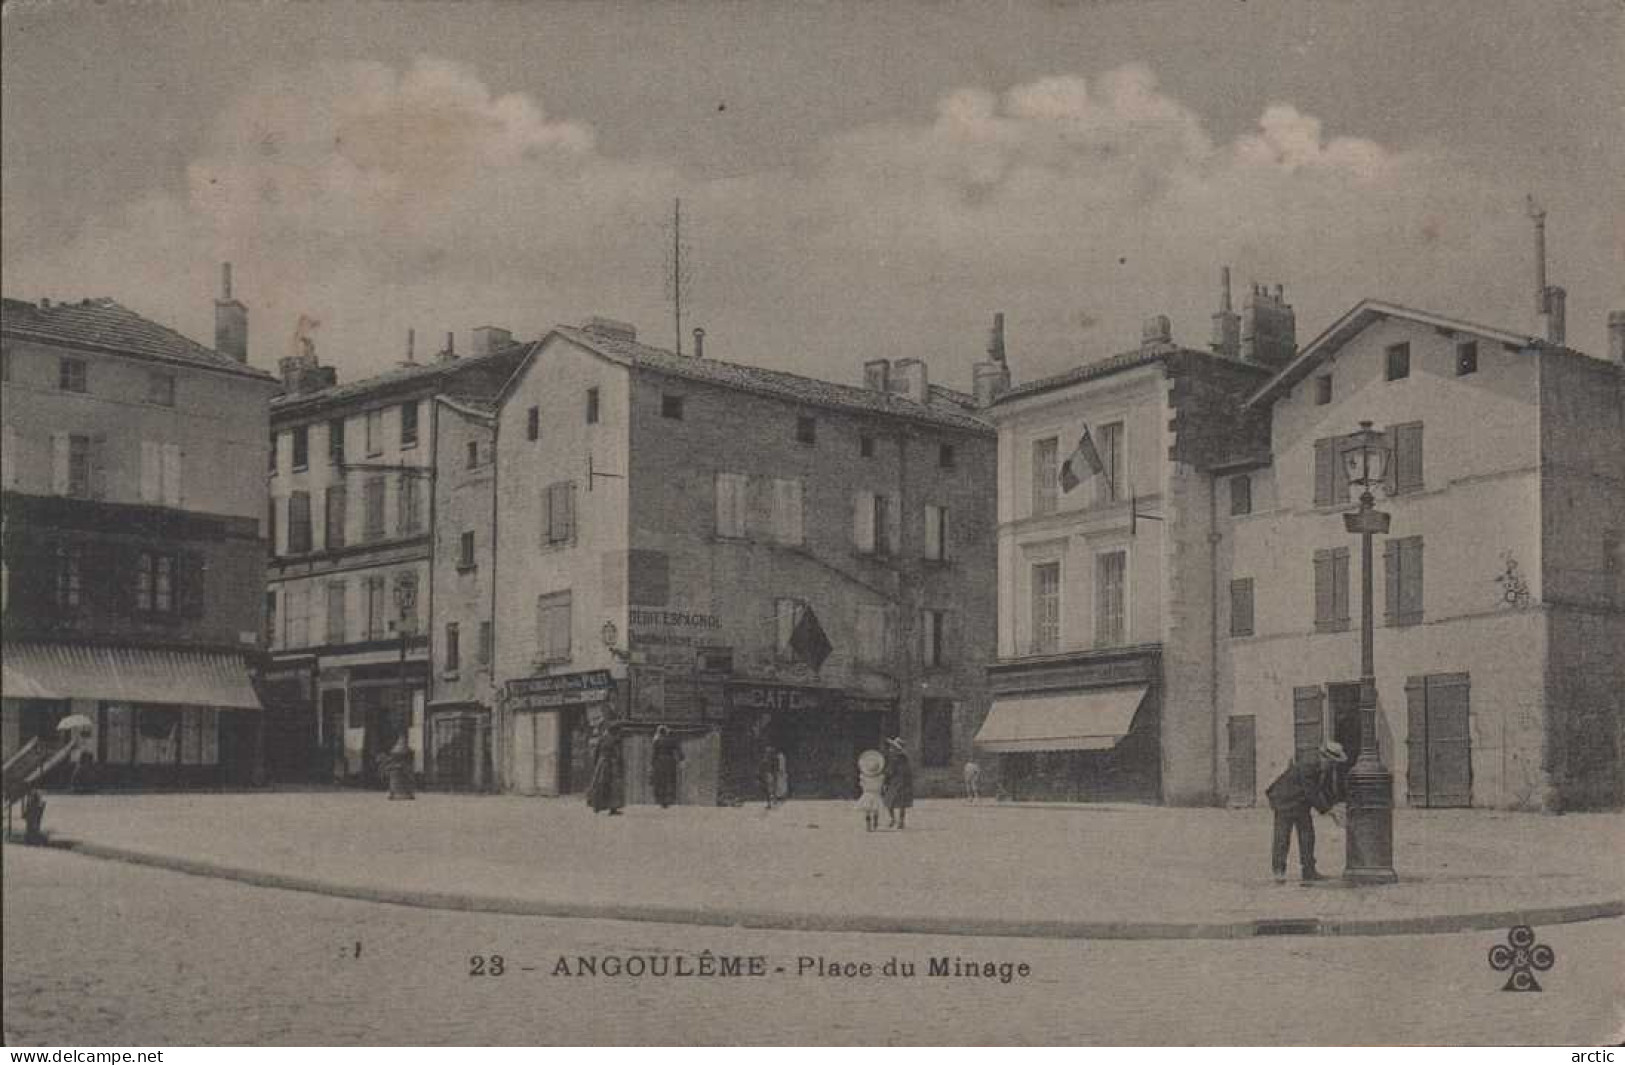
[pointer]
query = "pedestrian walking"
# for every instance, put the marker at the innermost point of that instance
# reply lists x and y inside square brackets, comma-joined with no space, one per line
[664,759]
[781,779]
[897,792]
[83,778]
[767,774]
[1294,796]
[606,792]
[871,779]
[973,782]
[397,769]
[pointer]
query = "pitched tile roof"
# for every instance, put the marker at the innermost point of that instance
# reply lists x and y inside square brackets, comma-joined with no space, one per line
[106,325]
[1125,360]
[943,411]
[470,377]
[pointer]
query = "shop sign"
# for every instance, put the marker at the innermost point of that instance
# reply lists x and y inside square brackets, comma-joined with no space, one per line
[565,689]
[776,697]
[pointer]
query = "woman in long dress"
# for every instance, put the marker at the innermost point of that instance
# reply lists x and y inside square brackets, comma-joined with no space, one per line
[898,789]
[663,761]
[604,793]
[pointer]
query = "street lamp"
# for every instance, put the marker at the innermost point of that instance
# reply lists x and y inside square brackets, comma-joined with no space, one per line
[1370,854]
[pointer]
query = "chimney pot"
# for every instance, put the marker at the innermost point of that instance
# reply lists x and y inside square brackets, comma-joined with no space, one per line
[995,340]
[1156,330]
[1269,328]
[699,343]
[877,375]
[992,380]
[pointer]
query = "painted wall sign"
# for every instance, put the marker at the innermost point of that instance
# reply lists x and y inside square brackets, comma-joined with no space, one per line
[776,697]
[565,689]
[643,618]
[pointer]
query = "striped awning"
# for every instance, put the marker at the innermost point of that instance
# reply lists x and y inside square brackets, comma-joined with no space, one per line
[1076,721]
[127,675]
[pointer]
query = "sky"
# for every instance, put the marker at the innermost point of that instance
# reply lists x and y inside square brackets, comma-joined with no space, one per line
[858,180]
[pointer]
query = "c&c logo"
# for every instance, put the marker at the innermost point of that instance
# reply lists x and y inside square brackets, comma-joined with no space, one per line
[1521,954]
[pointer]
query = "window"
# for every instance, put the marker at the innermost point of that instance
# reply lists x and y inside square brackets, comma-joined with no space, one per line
[1111,572]
[732,489]
[1045,471]
[1046,592]
[335,441]
[409,425]
[1308,723]
[155,582]
[936,733]
[406,601]
[945,456]
[295,616]
[933,638]
[873,531]
[592,406]
[465,551]
[866,446]
[1331,479]
[1323,390]
[75,469]
[161,388]
[1241,495]
[787,521]
[787,613]
[375,432]
[270,619]
[806,430]
[160,473]
[301,447]
[377,612]
[873,647]
[486,641]
[473,454]
[553,627]
[1110,445]
[533,424]
[559,523]
[1241,607]
[454,652]
[271,525]
[1405,471]
[936,533]
[409,501]
[299,540]
[1399,362]
[374,509]
[1332,590]
[671,407]
[337,507]
[70,564]
[73,375]
[337,611]
[1466,358]
[1403,557]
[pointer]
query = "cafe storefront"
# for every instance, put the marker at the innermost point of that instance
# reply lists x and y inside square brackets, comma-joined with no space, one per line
[820,730]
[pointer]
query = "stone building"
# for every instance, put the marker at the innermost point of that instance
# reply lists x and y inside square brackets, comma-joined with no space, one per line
[1103,687]
[353,489]
[751,557]
[134,546]
[1500,589]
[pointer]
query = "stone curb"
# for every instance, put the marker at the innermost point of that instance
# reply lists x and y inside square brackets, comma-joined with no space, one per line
[813,922]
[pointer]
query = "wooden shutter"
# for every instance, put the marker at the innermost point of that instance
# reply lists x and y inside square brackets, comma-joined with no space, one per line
[1406,475]
[1325,596]
[299,534]
[98,466]
[336,604]
[1308,723]
[61,448]
[171,458]
[1241,607]
[863,522]
[1449,741]
[894,524]
[1325,463]
[1390,566]
[152,472]
[335,516]
[1410,578]
[1340,586]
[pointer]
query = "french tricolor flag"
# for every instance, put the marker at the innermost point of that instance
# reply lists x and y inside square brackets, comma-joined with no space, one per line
[1083,462]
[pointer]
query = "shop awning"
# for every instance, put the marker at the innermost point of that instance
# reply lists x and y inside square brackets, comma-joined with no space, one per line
[1076,721]
[127,675]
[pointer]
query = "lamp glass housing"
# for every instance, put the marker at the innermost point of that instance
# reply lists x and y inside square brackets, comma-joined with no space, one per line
[1365,457]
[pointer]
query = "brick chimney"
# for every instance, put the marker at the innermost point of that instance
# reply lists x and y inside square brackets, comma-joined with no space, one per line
[230,320]
[1269,328]
[1156,332]
[489,338]
[877,375]
[909,379]
[1616,336]
[1226,322]
[991,377]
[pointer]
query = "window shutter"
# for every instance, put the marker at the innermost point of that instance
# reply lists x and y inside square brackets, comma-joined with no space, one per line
[98,466]
[1408,457]
[1410,575]
[570,512]
[335,516]
[172,474]
[1325,595]
[863,521]
[1340,584]
[1308,722]
[189,580]
[151,472]
[1325,460]
[336,611]
[894,524]
[60,447]
[1391,565]
[1340,475]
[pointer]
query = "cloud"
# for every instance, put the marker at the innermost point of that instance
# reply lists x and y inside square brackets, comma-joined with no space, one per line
[376,199]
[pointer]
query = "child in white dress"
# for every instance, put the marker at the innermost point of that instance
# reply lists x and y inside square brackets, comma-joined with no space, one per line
[871,776]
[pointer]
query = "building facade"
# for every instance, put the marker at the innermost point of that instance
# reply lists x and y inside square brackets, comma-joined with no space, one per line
[749,557]
[134,547]
[1103,687]
[1500,639]
[349,602]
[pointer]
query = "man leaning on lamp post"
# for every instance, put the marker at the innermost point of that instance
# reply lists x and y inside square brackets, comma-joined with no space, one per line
[1296,793]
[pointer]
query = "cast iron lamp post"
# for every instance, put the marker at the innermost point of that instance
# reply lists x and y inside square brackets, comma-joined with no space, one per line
[1370,835]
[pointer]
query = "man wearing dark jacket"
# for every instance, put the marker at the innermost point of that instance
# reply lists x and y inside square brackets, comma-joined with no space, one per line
[1294,797]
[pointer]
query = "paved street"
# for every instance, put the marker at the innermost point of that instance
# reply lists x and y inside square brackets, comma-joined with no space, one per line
[1083,864]
[100,952]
